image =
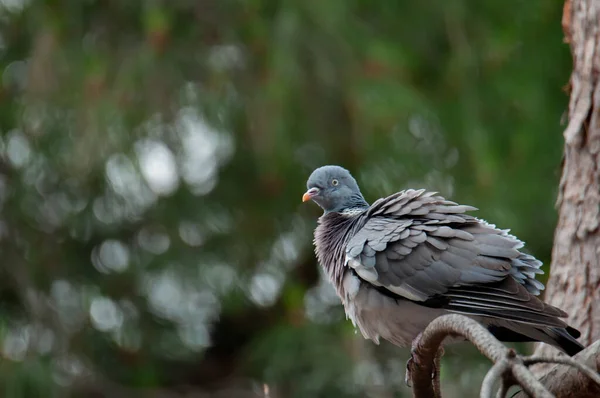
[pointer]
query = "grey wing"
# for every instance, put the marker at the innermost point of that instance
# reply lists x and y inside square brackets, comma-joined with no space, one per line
[419,246]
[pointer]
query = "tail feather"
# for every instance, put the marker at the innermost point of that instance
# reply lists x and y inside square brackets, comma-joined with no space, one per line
[573,332]
[562,338]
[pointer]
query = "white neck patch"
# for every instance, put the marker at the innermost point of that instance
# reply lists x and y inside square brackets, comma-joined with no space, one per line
[352,211]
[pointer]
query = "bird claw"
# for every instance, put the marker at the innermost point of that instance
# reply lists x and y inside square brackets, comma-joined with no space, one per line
[408,374]
[413,361]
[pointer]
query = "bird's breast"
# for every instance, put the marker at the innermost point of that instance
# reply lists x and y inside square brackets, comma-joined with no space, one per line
[331,238]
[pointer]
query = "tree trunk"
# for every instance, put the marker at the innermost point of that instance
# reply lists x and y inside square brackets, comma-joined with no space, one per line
[574,283]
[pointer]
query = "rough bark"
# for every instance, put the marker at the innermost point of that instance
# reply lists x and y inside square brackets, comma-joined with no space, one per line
[574,283]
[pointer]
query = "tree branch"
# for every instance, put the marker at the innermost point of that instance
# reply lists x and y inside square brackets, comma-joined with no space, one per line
[565,380]
[565,361]
[496,372]
[509,367]
[530,384]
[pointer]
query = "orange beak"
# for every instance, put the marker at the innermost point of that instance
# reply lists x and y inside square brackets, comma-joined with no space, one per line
[311,193]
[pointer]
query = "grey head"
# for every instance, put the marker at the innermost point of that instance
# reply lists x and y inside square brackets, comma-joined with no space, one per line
[334,189]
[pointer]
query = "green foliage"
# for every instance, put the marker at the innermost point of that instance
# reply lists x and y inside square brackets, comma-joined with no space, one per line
[153,155]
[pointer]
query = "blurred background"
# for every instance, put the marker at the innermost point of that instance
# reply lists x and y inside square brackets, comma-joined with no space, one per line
[153,155]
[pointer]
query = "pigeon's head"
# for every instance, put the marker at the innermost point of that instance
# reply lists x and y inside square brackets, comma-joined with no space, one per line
[334,189]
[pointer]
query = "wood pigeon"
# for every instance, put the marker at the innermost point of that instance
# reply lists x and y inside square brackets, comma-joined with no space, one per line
[413,256]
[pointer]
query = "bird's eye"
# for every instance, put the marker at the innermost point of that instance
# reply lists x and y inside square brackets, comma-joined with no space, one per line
[334,182]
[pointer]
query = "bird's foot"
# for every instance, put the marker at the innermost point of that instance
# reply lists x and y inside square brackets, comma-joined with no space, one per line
[413,361]
[408,375]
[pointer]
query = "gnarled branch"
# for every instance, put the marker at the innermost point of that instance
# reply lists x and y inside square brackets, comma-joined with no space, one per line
[510,368]
[568,381]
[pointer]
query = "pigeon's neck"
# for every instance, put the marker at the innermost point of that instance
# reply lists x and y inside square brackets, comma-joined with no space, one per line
[354,205]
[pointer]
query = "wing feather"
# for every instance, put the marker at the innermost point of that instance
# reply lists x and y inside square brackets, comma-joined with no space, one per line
[419,246]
